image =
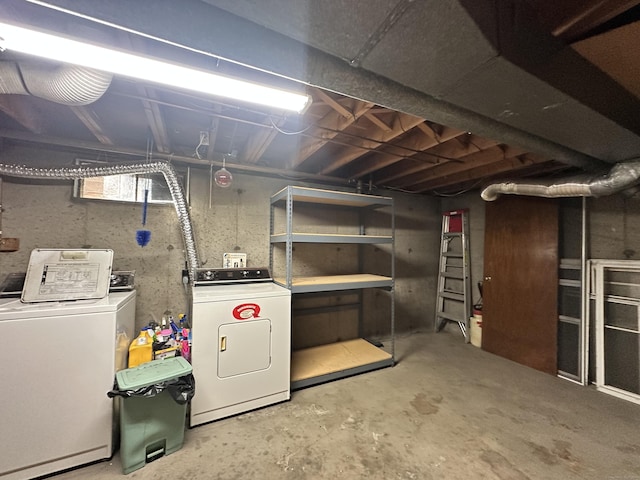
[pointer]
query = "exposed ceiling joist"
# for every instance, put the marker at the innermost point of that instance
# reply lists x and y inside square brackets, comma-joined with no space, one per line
[92,122]
[486,157]
[417,143]
[418,111]
[21,110]
[490,170]
[329,127]
[401,124]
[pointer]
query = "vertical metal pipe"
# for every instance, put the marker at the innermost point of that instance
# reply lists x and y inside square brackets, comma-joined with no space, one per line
[584,321]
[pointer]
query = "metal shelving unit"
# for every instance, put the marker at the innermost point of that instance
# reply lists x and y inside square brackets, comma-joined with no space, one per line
[323,363]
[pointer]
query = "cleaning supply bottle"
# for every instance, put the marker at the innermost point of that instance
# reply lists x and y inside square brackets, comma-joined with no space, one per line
[184,322]
[140,350]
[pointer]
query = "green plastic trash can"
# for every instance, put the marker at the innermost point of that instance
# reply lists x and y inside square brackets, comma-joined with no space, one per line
[153,410]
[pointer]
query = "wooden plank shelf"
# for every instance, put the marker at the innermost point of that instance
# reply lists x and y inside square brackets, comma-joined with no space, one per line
[323,363]
[331,238]
[331,283]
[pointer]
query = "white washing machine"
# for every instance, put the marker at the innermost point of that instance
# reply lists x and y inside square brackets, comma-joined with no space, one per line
[241,343]
[58,362]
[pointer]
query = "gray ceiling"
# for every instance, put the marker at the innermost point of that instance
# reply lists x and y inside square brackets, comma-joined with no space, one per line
[481,66]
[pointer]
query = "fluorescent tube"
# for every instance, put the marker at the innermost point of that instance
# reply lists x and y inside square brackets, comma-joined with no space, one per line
[65,50]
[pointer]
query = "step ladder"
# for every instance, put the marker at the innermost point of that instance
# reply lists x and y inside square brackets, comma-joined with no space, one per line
[453,303]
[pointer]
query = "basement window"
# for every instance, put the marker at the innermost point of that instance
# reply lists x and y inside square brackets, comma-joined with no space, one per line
[129,188]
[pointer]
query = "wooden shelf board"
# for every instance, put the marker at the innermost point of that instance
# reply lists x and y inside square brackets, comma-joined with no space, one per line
[298,237]
[330,197]
[334,357]
[333,279]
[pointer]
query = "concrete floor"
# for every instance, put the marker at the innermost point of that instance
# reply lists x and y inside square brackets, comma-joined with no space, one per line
[446,411]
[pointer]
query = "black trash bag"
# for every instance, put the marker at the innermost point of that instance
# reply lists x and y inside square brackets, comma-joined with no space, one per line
[181,389]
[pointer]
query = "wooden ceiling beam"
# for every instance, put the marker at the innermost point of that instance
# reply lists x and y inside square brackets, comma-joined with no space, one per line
[155,119]
[460,146]
[334,104]
[214,128]
[550,167]
[428,130]
[537,169]
[573,19]
[479,173]
[152,111]
[406,148]
[425,159]
[21,109]
[401,124]
[90,120]
[546,169]
[377,110]
[260,140]
[376,121]
[473,160]
[327,128]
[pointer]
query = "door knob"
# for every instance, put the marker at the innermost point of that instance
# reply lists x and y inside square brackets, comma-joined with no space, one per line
[487,279]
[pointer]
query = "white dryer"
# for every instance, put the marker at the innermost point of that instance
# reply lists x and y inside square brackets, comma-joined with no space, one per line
[241,343]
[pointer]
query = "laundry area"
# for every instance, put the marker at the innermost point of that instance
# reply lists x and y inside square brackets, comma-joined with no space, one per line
[401,273]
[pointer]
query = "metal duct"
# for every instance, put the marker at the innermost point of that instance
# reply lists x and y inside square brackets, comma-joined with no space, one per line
[71,173]
[621,177]
[65,84]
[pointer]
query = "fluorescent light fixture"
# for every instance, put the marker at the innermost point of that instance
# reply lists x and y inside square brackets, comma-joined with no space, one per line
[52,47]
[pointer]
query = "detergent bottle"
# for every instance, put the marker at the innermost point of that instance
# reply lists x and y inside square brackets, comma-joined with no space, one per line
[141,349]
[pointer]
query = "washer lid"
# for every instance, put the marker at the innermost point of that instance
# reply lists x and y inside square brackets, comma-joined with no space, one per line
[67,274]
[14,309]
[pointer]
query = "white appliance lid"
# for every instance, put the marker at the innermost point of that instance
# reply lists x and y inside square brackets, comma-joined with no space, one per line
[207,293]
[15,309]
[57,274]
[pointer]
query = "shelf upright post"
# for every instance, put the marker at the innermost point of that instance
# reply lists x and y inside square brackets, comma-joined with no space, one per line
[360,293]
[289,239]
[271,232]
[393,283]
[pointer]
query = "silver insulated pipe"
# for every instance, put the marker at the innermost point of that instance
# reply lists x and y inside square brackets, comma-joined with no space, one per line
[621,177]
[71,173]
[65,84]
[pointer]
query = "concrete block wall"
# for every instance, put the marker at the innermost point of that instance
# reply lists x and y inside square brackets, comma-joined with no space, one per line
[614,227]
[236,219]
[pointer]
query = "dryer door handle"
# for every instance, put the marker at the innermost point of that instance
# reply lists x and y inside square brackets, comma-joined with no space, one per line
[223,343]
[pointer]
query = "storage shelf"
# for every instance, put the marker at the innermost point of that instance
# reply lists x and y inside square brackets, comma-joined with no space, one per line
[329,362]
[331,238]
[336,282]
[324,363]
[330,197]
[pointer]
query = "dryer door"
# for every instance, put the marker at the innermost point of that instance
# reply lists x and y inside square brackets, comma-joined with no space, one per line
[244,347]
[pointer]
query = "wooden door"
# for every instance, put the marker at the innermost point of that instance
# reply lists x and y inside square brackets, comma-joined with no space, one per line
[519,313]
